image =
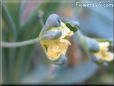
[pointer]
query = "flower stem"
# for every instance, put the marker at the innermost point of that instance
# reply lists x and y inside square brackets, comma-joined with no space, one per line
[18,44]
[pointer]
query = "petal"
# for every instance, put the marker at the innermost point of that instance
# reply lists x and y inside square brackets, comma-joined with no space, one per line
[53,52]
[104,46]
[65,31]
[109,56]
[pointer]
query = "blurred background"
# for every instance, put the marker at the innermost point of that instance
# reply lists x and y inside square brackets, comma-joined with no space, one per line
[23,20]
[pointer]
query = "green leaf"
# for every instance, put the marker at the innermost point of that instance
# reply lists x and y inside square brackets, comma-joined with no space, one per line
[10,15]
[9,21]
[14,10]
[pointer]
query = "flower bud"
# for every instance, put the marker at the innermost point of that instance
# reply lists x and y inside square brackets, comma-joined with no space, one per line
[61,61]
[53,21]
[92,44]
[55,39]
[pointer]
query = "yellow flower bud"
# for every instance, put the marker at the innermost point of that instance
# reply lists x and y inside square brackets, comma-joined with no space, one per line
[55,48]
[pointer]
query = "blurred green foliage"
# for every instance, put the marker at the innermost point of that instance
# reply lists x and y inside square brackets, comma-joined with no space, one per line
[16,61]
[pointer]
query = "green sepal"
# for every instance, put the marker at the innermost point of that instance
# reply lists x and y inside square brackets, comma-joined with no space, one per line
[71,27]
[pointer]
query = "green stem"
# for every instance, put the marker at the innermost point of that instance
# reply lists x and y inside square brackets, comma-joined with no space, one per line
[41,18]
[11,24]
[82,40]
[30,22]
[25,53]
[18,44]
[8,20]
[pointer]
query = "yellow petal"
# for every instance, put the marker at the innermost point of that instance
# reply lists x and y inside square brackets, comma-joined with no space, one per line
[103,53]
[53,52]
[104,46]
[56,49]
[109,56]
